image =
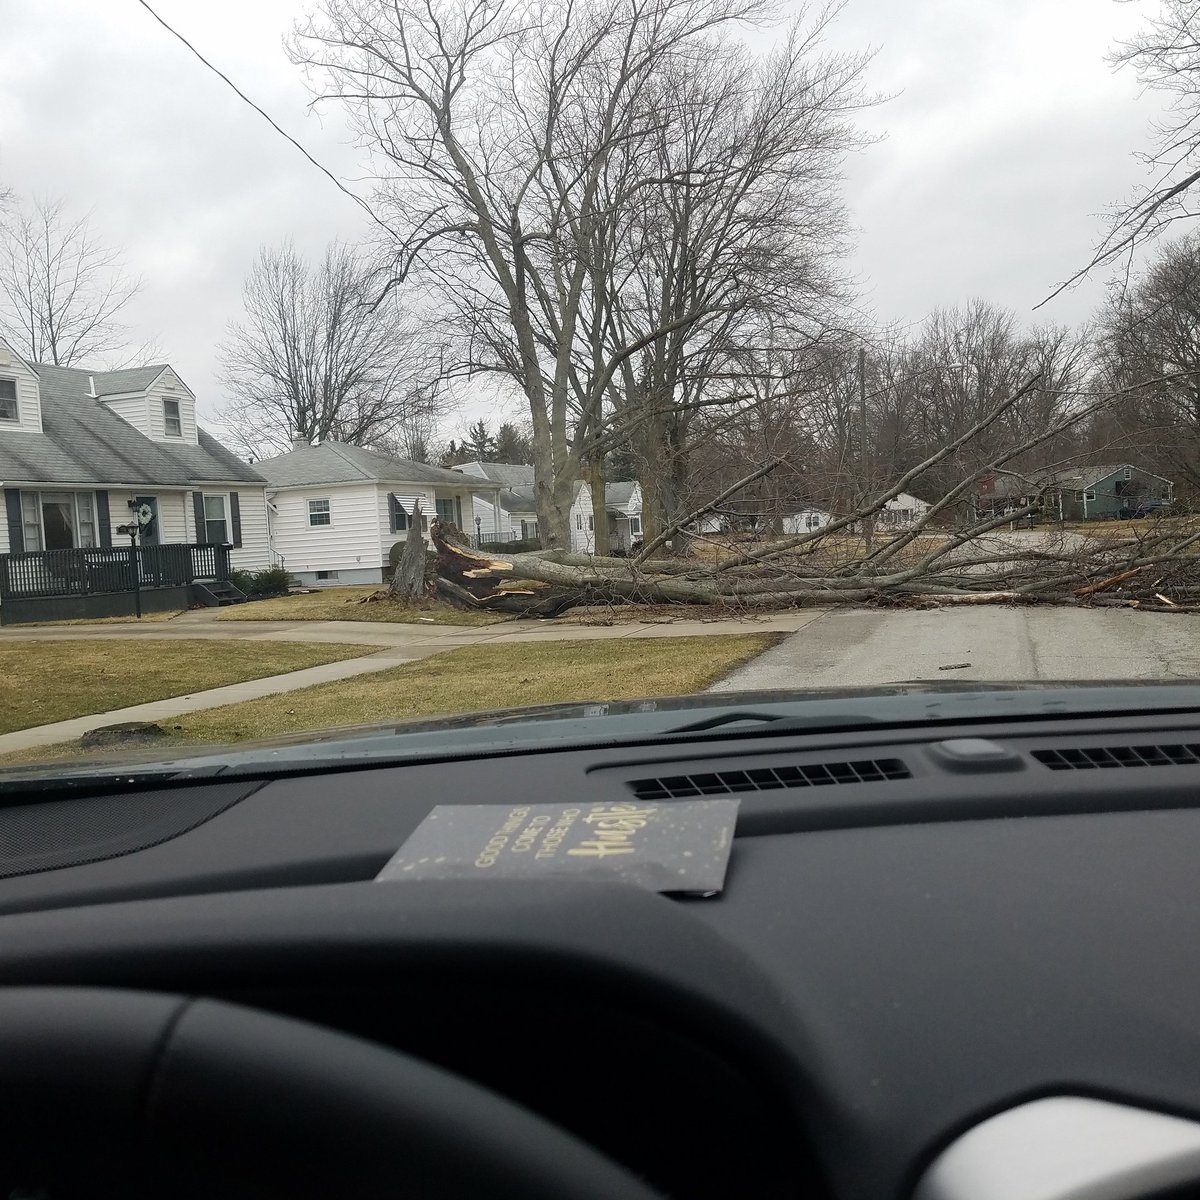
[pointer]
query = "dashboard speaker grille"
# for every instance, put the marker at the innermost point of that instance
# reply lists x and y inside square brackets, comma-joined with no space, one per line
[50,834]
[762,779]
[1091,758]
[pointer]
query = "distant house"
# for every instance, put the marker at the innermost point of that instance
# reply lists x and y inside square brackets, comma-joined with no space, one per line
[902,511]
[517,516]
[513,515]
[805,520]
[1095,492]
[624,503]
[337,510]
[83,455]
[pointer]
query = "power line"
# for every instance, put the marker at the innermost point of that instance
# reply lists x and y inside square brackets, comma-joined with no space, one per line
[270,121]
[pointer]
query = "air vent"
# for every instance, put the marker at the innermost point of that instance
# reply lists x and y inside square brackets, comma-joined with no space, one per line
[1091,758]
[763,779]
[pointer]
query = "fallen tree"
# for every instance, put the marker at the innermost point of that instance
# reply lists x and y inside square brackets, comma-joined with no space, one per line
[1157,572]
[935,560]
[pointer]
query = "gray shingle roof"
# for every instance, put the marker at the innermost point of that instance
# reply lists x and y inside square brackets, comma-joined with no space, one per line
[518,500]
[1070,479]
[617,495]
[513,475]
[132,379]
[82,441]
[336,462]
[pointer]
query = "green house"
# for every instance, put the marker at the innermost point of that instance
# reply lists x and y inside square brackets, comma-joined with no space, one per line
[1101,491]
[1105,491]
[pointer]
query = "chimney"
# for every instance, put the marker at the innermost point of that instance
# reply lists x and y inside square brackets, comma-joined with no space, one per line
[299,443]
[91,385]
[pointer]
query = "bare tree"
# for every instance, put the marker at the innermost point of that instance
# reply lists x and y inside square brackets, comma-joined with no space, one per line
[63,292]
[316,358]
[518,138]
[1165,55]
[745,231]
[1150,342]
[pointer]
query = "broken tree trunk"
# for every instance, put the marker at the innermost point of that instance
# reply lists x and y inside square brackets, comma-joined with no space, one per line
[408,581]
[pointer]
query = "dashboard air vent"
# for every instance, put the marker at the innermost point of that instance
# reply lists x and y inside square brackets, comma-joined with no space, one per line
[1090,758]
[762,779]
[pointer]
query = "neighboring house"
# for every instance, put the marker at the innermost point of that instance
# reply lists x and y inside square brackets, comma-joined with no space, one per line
[514,515]
[518,510]
[902,511]
[80,453]
[624,504]
[1098,491]
[805,520]
[337,510]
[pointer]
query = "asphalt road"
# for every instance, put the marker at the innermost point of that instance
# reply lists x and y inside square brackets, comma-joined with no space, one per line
[859,647]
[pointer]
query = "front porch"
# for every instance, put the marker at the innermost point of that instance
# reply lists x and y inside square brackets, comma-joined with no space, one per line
[92,582]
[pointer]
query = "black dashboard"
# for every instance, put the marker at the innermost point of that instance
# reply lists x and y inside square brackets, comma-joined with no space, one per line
[921,928]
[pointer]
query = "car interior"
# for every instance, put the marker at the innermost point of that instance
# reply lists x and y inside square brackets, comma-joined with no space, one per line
[952,960]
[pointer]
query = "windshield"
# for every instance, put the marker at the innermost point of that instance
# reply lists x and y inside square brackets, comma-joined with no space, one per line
[374,363]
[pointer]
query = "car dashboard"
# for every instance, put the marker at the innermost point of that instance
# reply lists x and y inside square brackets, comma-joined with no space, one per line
[930,939]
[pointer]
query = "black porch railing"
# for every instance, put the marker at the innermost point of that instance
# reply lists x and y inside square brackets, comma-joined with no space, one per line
[96,570]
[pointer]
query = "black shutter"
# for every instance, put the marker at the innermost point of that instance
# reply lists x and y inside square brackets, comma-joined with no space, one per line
[198,511]
[392,506]
[103,520]
[16,528]
[235,518]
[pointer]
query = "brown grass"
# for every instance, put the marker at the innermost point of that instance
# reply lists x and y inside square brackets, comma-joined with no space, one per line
[475,678]
[46,682]
[342,604]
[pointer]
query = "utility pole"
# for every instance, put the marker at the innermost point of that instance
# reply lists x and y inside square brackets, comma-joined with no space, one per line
[864,457]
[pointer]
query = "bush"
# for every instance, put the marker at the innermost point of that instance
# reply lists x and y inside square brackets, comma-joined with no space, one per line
[242,580]
[271,581]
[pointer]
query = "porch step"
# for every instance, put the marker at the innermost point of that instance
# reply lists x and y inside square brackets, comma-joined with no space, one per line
[219,594]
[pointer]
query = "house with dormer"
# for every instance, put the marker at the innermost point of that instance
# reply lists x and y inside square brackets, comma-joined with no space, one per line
[86,454]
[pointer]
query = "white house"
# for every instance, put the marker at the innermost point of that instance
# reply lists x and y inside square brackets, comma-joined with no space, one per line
[337,510]
[82,451]
[517,516]
[513,515]
[805,521]
[903,511]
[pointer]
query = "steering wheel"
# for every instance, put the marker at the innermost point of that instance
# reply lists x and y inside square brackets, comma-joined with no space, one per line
[112,1092]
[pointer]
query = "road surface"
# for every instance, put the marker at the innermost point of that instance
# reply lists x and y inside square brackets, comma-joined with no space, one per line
[859,647]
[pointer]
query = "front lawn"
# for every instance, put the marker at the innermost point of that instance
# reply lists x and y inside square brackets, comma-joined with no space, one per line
[151,618]
[341,604]
[55,681]
[475,678]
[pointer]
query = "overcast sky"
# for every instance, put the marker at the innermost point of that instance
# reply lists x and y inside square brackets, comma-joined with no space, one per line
[1007,135]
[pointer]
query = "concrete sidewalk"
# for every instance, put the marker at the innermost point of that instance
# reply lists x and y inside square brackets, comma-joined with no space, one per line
[397,644]
[382,633]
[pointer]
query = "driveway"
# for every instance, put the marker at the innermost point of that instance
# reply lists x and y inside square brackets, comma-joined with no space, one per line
[860,647]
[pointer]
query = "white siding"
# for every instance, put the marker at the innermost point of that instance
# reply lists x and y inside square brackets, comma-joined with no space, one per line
[350,541]
[187,411]
[29,405]
[583,539]
[387,539]
[133,409]
[255,551]
[172,514]
[428,494]
[4,533]
[144,411]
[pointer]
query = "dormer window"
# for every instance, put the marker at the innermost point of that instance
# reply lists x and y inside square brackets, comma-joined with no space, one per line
[8,400]
[172,422]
